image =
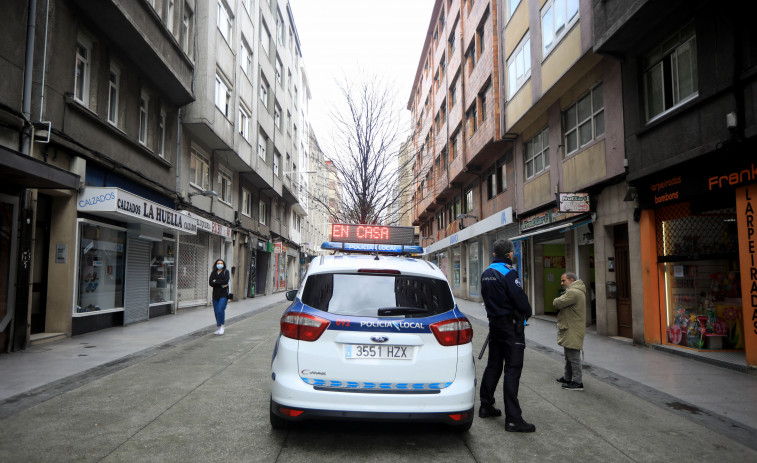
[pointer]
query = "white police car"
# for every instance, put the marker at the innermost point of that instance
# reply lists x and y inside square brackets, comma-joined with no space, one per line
[373,337]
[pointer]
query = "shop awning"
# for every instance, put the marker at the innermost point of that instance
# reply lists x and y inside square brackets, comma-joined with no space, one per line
[540,231]
[23,171]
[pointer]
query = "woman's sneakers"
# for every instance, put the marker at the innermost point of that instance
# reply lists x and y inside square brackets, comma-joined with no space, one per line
[219,331]
[573,386]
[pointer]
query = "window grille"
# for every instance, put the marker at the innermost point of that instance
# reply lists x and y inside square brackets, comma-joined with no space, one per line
[686,236]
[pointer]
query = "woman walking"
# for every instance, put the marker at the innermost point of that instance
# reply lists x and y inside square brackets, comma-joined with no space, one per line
[219,280]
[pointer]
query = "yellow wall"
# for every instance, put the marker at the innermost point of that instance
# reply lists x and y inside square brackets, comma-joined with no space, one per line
[519,105]
[584,168]
[537,191]
[516,28]
[561,58]
[61,276]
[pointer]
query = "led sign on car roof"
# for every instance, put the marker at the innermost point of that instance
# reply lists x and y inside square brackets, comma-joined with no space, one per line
[372,238]
[372,234]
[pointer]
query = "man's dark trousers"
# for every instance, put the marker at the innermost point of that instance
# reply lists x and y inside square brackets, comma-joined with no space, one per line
[507,344]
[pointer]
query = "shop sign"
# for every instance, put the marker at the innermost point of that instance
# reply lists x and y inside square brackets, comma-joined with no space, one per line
[122,204]
[746,205]
[573,202]
[545,218]
[277,247]
[209,226]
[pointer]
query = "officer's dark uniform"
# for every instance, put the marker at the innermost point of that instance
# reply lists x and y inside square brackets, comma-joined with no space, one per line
[506,306]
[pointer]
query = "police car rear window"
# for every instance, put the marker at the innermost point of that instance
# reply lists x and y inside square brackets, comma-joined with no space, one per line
[364,294]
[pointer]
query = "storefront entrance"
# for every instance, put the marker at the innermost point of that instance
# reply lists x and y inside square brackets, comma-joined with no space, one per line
[623,281]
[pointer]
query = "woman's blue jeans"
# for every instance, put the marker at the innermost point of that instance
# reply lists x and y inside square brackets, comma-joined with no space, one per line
[219,307]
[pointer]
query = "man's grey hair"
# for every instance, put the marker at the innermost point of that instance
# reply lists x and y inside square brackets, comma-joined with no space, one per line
[571,276]
[502,248]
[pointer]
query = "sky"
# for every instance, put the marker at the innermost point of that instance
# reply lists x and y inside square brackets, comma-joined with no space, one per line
[341,37]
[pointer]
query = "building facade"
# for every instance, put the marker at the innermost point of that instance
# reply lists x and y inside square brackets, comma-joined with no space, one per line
[690,131]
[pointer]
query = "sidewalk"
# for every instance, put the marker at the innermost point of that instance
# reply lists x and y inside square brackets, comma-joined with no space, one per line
[40,365]
[704,392]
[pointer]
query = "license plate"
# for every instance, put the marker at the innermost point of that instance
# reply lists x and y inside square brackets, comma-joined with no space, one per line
[372,351]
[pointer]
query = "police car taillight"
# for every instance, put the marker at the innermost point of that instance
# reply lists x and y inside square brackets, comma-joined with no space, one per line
[303,327]
[453,332]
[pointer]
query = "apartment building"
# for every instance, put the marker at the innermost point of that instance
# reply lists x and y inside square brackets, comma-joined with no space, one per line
[688,76]
[530,157]
[243,148]
[106,81]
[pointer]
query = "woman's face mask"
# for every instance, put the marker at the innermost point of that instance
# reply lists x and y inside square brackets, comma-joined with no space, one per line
[219,266]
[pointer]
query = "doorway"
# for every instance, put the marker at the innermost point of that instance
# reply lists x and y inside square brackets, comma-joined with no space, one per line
[622,276]
[41,264]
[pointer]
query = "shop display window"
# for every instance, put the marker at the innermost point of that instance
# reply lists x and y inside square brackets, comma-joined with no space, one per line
[101,268]
[702,282]
[162,272]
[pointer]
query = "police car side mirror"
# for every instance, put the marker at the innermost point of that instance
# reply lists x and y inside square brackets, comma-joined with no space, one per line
[291,294]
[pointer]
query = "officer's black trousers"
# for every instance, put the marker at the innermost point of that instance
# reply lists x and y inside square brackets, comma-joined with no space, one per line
[507,344]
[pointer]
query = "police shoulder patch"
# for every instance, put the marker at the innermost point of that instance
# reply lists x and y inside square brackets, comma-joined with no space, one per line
[517,282]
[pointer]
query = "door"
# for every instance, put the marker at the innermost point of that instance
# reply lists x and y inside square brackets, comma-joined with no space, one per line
[8,247]
[623,280]
[41,259]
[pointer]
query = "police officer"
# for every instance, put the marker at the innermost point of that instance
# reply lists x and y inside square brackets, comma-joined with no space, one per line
[507,308]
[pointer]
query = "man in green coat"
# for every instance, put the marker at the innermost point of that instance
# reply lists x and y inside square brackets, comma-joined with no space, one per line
[571,327]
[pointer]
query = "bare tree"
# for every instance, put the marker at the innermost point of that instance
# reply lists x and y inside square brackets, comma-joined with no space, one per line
[364,149]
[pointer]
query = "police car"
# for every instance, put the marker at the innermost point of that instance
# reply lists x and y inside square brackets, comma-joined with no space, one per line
[373,337]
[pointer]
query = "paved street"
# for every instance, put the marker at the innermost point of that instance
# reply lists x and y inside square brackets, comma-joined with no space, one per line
[205,398]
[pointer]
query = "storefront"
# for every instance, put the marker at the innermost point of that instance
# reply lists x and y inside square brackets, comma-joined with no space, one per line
[464,255]
[699,231]
[196,255]
[279,266]
[125,258]
[547,247]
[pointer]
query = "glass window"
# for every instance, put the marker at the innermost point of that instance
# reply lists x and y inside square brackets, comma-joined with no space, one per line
[670,76]
[114,79]
[82,69]
[101,268]
[584,121]
[244,122]
[362,295]
[223,95]
[519,67]
[225,24]
[162,272]
[162,134]
[144,102]
[265,38]
[556,18]
[536,154]
[225,181]
[245,61]
[246,203]
[199,174]
[261,212]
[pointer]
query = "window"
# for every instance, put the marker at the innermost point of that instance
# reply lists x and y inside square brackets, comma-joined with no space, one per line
[276,162]
[289,80]
[162,134]
[278,71]
[453,146]
[556,18]
[491,185]
[169,14]
[223,95]
[262,216]
[501,176]
[670,74]
[472,117]
[511,6]
[470,56]
[225,183]
[536,154]
[442,67]
[100,247]
[584,121]
[453,93]
[443,113]
[482,102]
[247,6]
[280,28]
[480,35]
[244,121]
[275,208]
[81,75]
[451,40]
[469,201]
[289,122]
[519,66]
[246,202]
[264,92]
[144,103]
[186,29]
[199,174]
[225,24]
[277,116]
[262,141]
[265,38]
[114,79]
[245,60]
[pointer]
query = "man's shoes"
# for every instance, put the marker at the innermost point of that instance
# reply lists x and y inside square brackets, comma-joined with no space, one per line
[520,427]
[487,411]
[562,379]
[573,386]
